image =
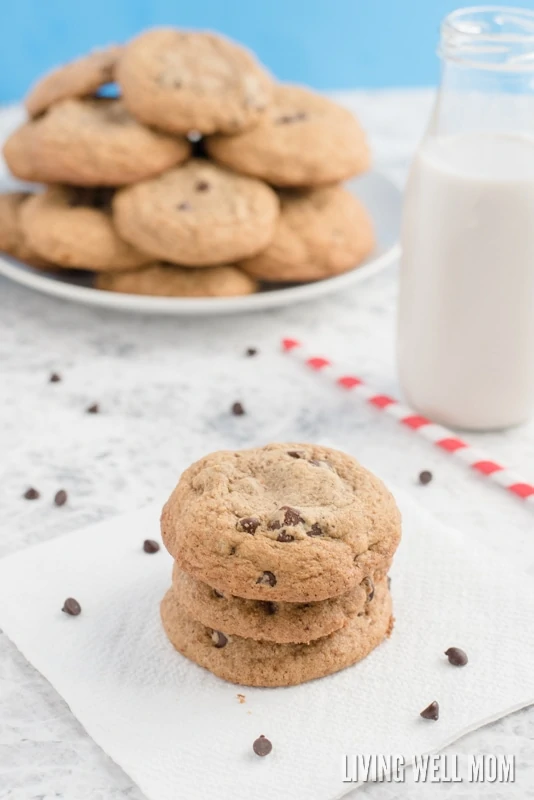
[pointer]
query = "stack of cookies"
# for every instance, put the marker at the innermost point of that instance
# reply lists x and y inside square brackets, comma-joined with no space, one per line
[281,560]
[176,165]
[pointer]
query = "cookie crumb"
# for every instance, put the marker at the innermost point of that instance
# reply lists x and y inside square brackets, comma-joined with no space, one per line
[262,746]
[241,697]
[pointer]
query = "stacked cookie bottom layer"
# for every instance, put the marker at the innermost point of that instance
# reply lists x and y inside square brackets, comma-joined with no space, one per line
[265,643]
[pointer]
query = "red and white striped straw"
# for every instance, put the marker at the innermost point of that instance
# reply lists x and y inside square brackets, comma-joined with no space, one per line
[441,437]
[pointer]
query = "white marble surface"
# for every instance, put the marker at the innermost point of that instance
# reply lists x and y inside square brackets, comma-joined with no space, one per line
[165,387]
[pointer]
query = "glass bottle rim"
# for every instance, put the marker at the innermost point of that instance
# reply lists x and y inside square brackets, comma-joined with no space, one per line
[489,37]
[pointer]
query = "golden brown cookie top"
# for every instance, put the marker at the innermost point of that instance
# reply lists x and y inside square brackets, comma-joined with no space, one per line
[185,81]
[303,139]
[293,522]
[13,240]
[198,214]
[78,78]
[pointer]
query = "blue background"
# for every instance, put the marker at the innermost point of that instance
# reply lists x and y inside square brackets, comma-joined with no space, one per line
[329,44]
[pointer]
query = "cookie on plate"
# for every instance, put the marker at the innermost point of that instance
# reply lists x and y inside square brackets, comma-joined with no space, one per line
[265,619]
[72,227]
[78,78]
[168,280]
[90,142]
[12,238]
[183,81]
[252,663]
[304,139]
[285,522]
[320,233]
[198,214]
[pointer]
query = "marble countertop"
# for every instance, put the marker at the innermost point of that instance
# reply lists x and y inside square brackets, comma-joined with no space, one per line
[165,387]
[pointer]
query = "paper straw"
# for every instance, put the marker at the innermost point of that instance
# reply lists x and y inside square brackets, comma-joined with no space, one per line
[441,437]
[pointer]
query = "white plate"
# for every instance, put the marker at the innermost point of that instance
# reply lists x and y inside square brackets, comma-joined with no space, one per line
[378,193]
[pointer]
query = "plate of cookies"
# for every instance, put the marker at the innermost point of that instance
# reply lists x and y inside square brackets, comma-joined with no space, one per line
[173,174]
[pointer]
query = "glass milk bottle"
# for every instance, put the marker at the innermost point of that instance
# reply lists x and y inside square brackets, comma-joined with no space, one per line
[466,307]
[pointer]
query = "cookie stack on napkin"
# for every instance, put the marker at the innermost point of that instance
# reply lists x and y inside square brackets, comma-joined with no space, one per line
[216,179]
[281,559]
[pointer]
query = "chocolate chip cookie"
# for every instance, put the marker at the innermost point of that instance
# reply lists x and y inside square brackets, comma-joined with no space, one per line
[198,214]
[90,142]
[182,81]
[285,522]
[12,238]
[168,280]
[72,227]
[266,620]
[319,233]
[303,139]
[252,663]
[79,78]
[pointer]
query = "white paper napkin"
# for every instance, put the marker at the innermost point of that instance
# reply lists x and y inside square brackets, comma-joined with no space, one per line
[180,732]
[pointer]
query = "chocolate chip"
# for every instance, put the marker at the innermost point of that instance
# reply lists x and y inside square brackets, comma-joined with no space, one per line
[94,409]
[217,593]
[315,530]
[431,711]
[54,378]
[425,477]
[72,607]
[267,579]
[202,186]
[150,546]
[369,587]
[251,351]
[292,516]
[296,453]
[31,494]
[185,206]
[238,410]
[248,524]
[219,639]
[456,656]
[269,607]
[262,746]
[275,525]
[287,119]
[60,497]
[284,536]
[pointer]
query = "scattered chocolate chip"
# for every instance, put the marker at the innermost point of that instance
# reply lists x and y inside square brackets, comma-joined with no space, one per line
[389,582]
[456,656]
[241,698]
[296,453]
[251,351]
[369,587]
[284,536]
[315,530]
[60,497]
[54,378]
[248,524]
[262,746]
[185,206]
[291,516]
[72,607]
[425,477]
[431,711]
[238,410]
[267,579]
[219,639]
[202,186]
[150,546]
[31,494]
[217,593]
[94,409]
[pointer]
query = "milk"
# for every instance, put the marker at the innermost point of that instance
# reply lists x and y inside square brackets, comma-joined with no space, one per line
[466,315]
